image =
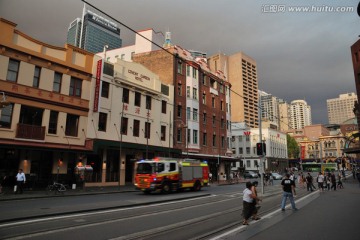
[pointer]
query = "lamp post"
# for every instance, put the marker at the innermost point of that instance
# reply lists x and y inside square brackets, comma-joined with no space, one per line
[3,102]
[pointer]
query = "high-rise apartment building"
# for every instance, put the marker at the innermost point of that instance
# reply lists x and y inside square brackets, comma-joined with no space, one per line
[284,115]
[241,71]
[93,32]
[341,109]
[300,114]
[269,108]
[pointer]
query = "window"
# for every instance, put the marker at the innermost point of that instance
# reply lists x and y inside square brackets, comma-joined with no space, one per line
[179,67]
[124,125]
[57,82]
[147,130]
[102,122]
[163,106]
[125,95]
[137,99]
[6,116]
[72,125]
[188,70]
[148,102]
[188,112]
[204,140]
[248,163]
[36,78]
[195,93]
[188,135]
[222,142]
[31,115]
[195,136]
[136,128]
[178,134]
[240,138]
[13,70]
[52,129]
[222,123]
[105,89]
[241,150]
[204,80]
[188,91]
[204,98]
[247,138]
[213,102]
[247,150]
[204,118]
[222,105]
[213,120]
[172,167]
[163,133]
[195,73]
[75,87]
[214,140]
[179,110]
[195,114]
[179,89]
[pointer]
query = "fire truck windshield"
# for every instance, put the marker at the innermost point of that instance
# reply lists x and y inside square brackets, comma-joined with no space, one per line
[149,168]
[145,168]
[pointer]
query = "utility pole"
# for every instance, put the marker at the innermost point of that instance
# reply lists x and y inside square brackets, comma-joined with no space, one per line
[262,148]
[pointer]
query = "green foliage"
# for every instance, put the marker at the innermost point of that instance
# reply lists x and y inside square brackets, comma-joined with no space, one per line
[293,147]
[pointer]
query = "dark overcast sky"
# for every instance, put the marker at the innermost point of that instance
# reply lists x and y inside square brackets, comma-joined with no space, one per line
[302,55]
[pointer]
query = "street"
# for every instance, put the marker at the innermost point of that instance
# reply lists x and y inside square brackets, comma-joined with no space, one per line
[213,213]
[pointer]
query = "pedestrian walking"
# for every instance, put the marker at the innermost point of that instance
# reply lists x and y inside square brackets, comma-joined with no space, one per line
[255,203]
[288,186]
[301,180]
[328,181]
[309,184]
[20,180]
[333,181]
[339,183]
[248,198]
[210,177]
[320,181]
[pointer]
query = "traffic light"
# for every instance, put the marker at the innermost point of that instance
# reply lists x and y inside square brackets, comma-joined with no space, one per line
[260,148]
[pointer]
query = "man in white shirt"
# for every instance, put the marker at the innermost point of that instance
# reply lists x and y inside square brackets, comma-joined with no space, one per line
[320,181]
[20,180]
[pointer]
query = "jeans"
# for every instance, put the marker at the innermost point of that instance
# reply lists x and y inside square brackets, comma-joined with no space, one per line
[291,198]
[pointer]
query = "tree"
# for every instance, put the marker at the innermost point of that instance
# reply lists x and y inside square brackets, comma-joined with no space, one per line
[293,147]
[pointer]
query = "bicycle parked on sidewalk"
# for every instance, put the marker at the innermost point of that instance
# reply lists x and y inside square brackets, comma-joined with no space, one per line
[56,188]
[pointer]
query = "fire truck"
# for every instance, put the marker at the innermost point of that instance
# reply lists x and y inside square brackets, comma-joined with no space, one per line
[171,174]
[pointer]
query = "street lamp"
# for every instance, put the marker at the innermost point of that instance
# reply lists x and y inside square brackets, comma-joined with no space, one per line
[3,102]
[182,125]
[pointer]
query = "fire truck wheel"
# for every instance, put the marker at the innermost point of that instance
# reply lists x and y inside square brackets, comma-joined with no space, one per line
[166,188]
[197,186]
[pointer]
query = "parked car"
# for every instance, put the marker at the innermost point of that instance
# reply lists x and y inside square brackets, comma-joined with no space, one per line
[277,176]
[250,174]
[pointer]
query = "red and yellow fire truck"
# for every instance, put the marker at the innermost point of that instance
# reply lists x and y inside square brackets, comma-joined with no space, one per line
[171,174]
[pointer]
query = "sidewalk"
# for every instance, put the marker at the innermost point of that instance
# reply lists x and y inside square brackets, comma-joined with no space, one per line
[28,194]
[8,193]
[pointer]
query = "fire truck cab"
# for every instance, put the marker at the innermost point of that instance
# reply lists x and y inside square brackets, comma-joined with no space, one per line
[170,174]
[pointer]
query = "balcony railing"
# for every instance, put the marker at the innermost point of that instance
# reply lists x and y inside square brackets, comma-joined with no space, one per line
[30,132]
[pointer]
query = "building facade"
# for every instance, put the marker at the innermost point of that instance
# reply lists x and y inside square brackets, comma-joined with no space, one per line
[93,32]
[300,114]
[341,109]
[130,119]
[241,71]
[244,141]
[43,129]
[269,109]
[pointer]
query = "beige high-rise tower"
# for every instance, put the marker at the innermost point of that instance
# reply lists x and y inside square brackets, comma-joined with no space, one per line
[341,109]
[241,71]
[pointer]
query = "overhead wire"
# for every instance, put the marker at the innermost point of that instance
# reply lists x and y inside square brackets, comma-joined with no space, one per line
[177,56]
